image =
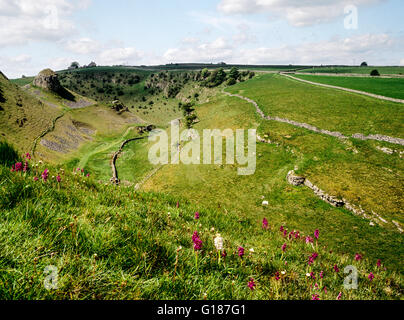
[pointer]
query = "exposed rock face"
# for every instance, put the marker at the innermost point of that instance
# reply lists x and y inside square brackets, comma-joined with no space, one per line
[48,79]
[294,179]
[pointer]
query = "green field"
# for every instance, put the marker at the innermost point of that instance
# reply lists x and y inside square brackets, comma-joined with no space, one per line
[359,70]
[324,108]
[388,87]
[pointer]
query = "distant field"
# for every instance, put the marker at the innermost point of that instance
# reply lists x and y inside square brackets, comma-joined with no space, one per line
[388,87]
[361,70]
[324,108]
[22,81]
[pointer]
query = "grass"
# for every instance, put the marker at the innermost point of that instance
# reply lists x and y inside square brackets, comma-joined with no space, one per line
[389,87]
[113,243]
[219,186]
[324,108]
[359,70]
[22,116]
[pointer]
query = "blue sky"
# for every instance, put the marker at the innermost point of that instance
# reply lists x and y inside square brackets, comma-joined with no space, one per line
[53,33]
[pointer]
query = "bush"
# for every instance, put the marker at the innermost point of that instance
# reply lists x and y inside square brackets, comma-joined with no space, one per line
[374,73]
[231,82]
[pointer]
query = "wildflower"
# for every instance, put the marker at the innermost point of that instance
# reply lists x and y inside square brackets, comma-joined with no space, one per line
[316,234]
[264,223]
[312,275]
[283,272]
[281,229]
[379,263]
[307,274]
[88,175]
[321,275]
[284,247]
[336,269]
[313,257]
[26,167]
[325,290]
[178,204]
[218,241]
[224,254]
[196,217]
[18,166]
[265,203]
[28,156]
[251,284]
[197,241]
[358,257]
[58,179]
[339,296]
[285,232]
[252,250]
[36,179]
[371,276]
[45,175]
[240,252]
[277,277]
[309,239]
[315,297]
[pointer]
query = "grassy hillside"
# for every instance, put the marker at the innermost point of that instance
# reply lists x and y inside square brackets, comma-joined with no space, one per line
[110,242]
[326,161]
[389,87]
[22,116]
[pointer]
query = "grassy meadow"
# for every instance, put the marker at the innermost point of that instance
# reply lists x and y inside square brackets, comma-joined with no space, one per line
[110,242]
[120,242]
[324,108]
[358,70]
[389,87]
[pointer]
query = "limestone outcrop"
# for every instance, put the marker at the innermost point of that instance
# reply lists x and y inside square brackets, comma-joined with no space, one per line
[48,79]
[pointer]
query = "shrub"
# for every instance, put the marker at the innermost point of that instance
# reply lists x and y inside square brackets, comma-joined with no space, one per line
[374,73]
[231,82]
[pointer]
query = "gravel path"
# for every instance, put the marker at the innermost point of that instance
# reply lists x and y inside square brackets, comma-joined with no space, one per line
[336,134]
[344,89]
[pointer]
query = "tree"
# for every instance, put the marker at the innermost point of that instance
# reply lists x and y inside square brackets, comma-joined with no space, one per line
[374,73]
[364,64]
[74,65]
[234,74]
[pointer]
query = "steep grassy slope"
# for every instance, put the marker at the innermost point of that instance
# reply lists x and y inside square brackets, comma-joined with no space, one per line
[389,87]
[22,117]
[107,242]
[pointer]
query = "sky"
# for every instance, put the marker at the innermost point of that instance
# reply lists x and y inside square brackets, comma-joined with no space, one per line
[53,33]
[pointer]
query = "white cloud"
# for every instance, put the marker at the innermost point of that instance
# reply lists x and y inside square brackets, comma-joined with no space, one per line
[297,12]
[117,56]
[215,51]
[341,51]
[22,21]
[83,46]
[402,62]
[16,66]
[366,47]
